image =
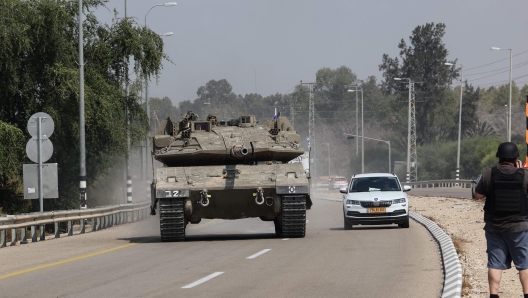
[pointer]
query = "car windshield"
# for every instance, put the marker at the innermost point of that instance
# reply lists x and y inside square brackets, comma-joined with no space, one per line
[366,184]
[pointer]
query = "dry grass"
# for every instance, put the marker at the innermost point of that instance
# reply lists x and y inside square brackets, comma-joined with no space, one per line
[466,285]
[459,244]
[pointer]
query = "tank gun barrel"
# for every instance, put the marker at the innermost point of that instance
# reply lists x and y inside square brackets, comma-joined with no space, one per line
[239,151]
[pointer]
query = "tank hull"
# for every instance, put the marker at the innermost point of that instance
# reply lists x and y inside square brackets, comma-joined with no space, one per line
[233,191]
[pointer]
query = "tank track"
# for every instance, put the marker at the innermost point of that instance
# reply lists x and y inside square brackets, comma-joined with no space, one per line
[293,216]
[172,221]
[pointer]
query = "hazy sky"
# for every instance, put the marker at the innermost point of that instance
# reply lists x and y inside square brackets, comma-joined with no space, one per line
[268,46]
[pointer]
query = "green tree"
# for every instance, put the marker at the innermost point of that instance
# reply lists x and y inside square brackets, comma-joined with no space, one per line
[39,72]
[422,61]
[161,109]
[332,101]
[12,153]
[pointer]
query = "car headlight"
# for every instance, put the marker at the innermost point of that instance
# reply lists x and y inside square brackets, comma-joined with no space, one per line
[398,201]
[352,202]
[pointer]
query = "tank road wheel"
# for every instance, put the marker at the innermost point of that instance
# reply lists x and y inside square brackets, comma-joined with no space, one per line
[172,222]
[293,216]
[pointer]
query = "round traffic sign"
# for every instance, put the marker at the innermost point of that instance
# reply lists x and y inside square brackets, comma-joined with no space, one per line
[32,149]
[46,124]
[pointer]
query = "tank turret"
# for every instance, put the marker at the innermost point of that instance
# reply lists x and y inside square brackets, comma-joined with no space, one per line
[240,141]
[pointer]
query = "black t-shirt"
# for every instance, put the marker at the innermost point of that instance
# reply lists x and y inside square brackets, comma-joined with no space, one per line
[502,223]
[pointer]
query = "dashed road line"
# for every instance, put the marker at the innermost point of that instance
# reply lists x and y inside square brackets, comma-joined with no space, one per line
[202,280]
[286,239]
[258,253]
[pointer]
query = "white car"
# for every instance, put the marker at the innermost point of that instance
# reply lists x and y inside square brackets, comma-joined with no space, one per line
[339,182]
[375,199]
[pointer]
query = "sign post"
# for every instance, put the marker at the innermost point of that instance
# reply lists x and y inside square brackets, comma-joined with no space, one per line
[39,150]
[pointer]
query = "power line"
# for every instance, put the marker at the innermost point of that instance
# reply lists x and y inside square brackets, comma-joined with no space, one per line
[495,61]
[507,67]
[492,74]
[505,81]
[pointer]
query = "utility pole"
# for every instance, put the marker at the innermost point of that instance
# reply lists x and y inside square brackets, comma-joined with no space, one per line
[412,162]
[311,128]
[129,178]
[413,155]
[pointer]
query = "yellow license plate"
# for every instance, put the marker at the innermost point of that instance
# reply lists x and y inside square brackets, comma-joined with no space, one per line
[377,210]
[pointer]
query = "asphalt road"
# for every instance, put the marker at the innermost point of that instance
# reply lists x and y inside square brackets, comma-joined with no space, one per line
[221,258]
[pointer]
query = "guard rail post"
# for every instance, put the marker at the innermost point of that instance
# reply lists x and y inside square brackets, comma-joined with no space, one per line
[70,228]
[23,235]
[94,224]
[3,238]
[42,233]
[81,223]
[98,221]
[57,229]
[14,238]
[33,233]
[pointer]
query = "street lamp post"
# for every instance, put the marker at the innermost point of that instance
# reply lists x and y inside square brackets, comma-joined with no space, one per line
[82,144]
[459,117]
[350,136]
[408,131]
[362,143]
[509,101]
[147,107]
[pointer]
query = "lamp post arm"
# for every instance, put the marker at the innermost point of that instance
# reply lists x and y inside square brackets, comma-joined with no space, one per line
[149,11]
[367,138]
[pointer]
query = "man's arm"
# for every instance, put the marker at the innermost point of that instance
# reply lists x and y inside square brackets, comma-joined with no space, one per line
[479,196]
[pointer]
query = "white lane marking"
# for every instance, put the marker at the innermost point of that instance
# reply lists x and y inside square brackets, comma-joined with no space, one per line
[258,253]
[286,239]
[200,281]
[307,221]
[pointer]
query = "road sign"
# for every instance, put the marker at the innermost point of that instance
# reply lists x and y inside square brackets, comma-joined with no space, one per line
[50,189]
[39,149]
[46,126]
[32,149]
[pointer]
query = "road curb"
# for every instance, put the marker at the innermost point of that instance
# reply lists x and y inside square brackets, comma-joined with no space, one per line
[450,262]
[452,287]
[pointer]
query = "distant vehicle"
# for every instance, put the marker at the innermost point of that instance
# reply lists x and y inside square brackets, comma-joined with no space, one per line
[337,182]
[375,199]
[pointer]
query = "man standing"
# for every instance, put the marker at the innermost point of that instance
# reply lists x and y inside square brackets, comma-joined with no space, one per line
[505,188]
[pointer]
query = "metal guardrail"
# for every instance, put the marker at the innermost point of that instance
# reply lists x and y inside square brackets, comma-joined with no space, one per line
[441,183]
[102,218]
[424,184]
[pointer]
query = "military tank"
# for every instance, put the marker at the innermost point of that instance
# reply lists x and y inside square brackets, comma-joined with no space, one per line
[229,170]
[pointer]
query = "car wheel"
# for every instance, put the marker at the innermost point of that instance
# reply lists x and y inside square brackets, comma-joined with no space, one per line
[346,225]
[405,224]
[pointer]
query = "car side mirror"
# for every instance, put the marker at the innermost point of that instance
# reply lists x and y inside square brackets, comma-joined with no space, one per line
[407,187]
[343,190]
